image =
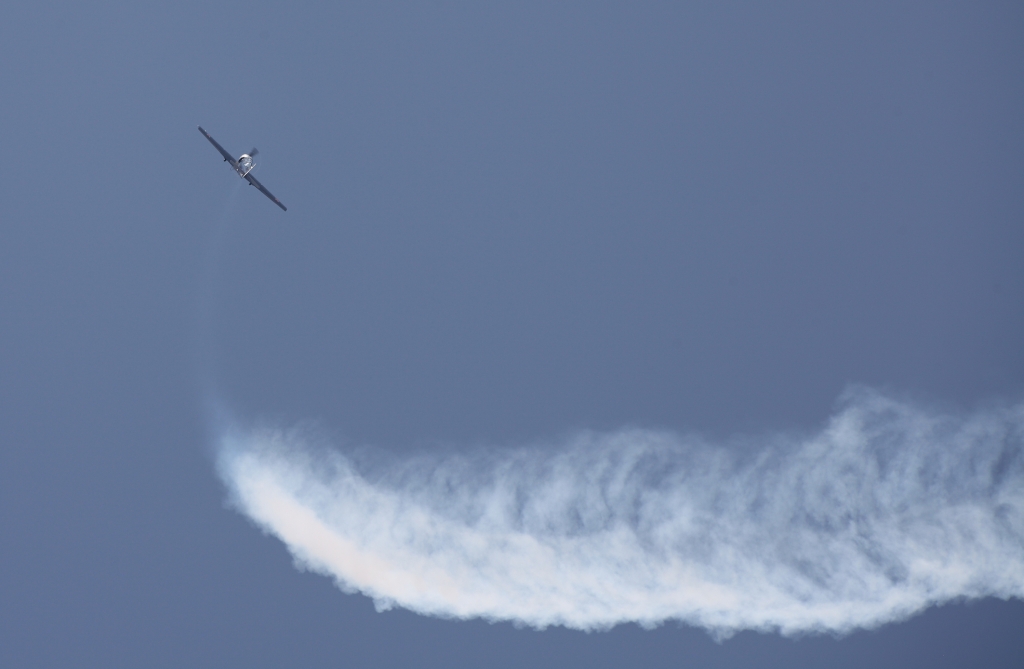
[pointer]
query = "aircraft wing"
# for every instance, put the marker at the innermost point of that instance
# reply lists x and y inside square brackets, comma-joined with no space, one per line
[227,156]
[253,182]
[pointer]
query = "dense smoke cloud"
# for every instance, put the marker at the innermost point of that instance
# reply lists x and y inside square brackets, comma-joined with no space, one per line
[889,509]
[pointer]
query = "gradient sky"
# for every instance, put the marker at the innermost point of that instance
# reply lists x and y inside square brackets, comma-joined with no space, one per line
[506,222]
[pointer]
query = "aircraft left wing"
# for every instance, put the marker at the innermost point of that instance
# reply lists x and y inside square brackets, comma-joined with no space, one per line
[253,182]
[227,156]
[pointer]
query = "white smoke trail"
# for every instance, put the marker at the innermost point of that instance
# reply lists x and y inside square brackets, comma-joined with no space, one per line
[889,509]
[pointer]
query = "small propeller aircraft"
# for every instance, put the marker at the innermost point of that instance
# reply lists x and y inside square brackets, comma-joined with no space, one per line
[243,166]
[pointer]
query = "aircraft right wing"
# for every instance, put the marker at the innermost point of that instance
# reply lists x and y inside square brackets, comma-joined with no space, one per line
[253,182]
[227,156]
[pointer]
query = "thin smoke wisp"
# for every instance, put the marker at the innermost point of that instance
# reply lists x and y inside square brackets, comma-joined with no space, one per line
[888,509]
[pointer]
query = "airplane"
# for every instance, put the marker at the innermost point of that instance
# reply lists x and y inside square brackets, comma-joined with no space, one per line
[243,166]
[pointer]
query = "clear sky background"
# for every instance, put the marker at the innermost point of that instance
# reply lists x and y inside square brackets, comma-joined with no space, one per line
[506,221]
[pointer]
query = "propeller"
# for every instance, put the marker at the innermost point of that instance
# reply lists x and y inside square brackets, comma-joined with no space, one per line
[254,151]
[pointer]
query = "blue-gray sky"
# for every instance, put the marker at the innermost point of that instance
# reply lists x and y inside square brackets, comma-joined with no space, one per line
[506,224]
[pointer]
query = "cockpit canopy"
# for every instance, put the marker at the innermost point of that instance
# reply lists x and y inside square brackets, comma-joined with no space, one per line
[245,164]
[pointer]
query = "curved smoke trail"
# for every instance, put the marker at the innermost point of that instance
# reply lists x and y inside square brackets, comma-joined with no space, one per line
[889,509]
